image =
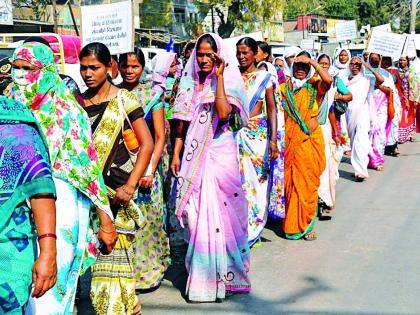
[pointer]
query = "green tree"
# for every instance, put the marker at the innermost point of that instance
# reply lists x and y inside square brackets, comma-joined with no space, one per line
[240,12]
[155,13]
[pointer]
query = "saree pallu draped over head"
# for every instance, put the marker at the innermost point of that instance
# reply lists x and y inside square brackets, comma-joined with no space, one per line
[63,121]
[304,156]
[75,167]
[210,195]
[198,108]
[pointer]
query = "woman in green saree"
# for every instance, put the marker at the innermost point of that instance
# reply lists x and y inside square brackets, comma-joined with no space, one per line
[25,174]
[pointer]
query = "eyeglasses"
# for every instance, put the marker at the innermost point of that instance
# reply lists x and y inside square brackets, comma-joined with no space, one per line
[356,64]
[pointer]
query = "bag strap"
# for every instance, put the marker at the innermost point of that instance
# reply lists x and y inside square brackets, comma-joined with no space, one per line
[124,115]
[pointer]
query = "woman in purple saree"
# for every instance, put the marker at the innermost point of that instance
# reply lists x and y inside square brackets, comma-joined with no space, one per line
[209,196]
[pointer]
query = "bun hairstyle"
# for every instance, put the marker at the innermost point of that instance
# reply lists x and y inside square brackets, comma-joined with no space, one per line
[99,50]
[250,42]
[265,48]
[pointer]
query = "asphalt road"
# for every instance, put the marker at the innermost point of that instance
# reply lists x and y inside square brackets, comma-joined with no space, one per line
[365,261]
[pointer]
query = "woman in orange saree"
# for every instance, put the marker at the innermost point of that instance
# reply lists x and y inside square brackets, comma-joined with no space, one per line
[304,148]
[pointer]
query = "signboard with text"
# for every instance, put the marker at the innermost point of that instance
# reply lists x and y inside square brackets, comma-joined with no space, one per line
[6,12]
[110,24]
[386,43]
[346,30]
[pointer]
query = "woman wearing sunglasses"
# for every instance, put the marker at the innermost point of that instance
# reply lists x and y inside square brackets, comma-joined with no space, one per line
[302,93]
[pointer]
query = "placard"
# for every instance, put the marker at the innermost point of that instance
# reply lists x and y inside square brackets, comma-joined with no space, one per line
[231,42]
[346,30]
[383,27]
[307,44]
[6,12]
[409,47]
[386,43]
[110,24]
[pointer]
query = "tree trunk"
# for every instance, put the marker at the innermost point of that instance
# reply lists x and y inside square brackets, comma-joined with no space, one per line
[227,27]
[413,16]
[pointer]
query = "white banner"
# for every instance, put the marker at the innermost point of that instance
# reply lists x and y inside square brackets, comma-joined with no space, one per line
[231,42]
[346,30]
[410,47]
[384,28]
[6,12]
[307,44]
[110,24]
[387,44]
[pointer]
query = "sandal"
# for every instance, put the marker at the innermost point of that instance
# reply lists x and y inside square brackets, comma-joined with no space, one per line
[137,309]
[325,215]
[311,236]
[380,168]
[359,178]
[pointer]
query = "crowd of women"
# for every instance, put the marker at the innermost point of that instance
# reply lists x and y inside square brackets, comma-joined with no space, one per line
[121,178]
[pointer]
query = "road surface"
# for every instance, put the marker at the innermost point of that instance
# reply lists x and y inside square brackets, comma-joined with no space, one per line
[365,261]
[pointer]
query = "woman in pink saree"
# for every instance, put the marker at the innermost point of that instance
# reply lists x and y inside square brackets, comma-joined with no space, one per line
[209,197]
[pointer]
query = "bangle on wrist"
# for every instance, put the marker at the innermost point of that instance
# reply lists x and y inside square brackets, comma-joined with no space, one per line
[105,231]
[317,68]
[52,235]
[126,191]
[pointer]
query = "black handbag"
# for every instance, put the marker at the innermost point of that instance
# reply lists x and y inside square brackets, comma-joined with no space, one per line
[340,107]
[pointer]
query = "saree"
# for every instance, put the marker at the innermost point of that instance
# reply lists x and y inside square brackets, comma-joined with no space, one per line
[113,287]
[209,192]
[151,257]
[25,172]
[74,164]
[414,88]
[304,157]
[333,153]
[344,71]
[407,126]
[380,123]
[254,160]
[358,118]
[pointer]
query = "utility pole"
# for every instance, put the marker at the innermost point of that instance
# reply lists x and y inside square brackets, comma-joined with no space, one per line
[54,3]
[413,16]
[212,19]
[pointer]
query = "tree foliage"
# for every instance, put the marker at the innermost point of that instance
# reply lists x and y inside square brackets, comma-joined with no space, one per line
[241,12]
[155,14]
[373,12]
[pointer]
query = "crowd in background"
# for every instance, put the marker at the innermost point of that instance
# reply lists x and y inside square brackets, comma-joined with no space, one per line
[186,166]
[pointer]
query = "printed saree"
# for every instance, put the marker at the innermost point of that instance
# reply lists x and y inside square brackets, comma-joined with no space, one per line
[113,288]
[24,172]
[74,164]
[209,191]
[152,244]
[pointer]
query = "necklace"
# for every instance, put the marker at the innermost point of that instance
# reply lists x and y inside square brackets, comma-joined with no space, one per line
[103,99]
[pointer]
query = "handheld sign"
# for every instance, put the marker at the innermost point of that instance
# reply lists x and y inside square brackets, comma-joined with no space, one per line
[110,24]
[346,30]
[6,14]
[386,43]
